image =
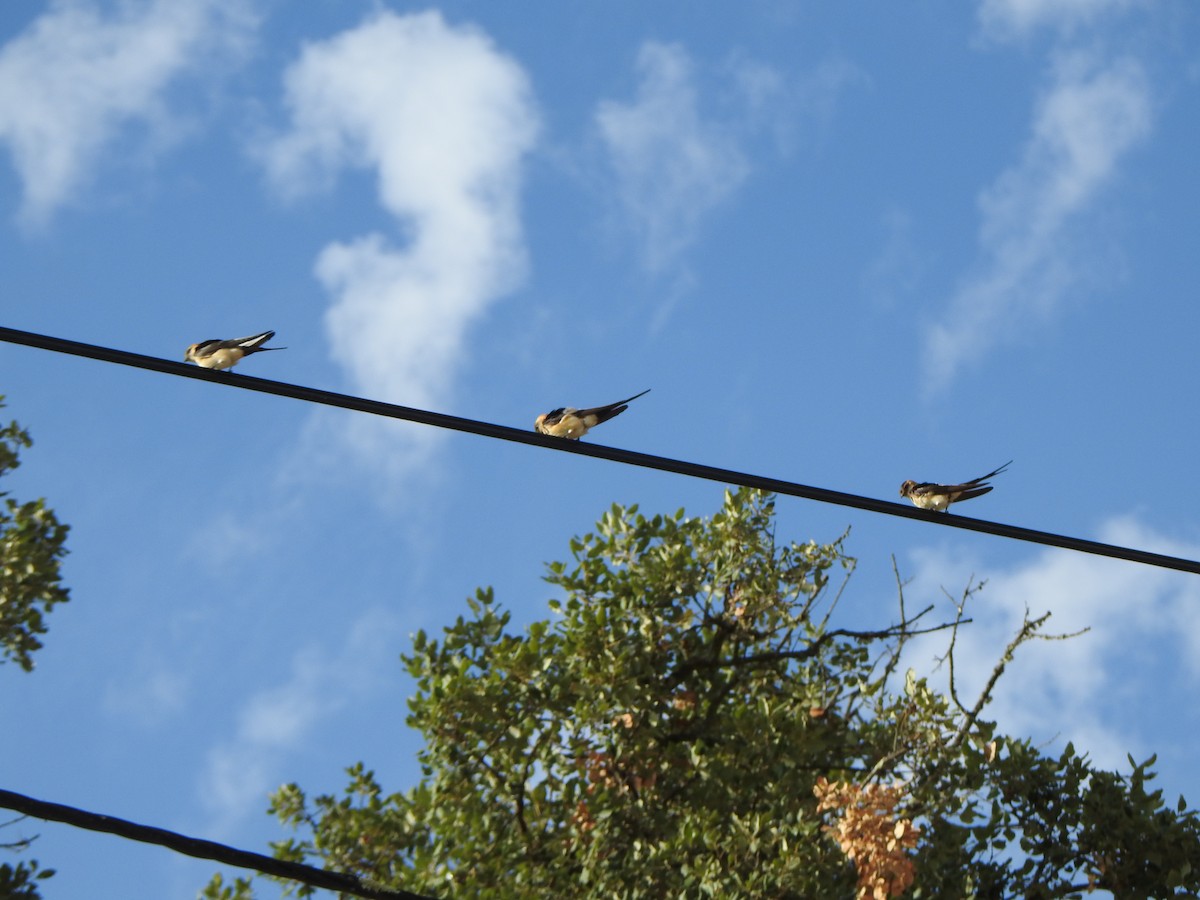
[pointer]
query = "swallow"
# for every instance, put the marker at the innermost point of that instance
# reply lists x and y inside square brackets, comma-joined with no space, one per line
[216,354]
[572,423]
[929,495]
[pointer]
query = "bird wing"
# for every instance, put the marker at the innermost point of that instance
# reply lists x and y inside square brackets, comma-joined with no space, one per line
[245,344]
[965,491]
[932,487]
[249,343]
[597,414]
[205,348]
[959,496]
[556,415]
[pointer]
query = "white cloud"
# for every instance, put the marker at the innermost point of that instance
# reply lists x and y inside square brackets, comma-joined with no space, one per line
[1004,18]
[1090,117]
[75,77]
[241,770]
[801,107]
[896,269]
[1078,689]
[444,120]
[673,167]
[150,697]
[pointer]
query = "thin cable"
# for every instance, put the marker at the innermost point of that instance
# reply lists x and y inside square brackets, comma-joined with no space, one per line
[628,457]
[201,849]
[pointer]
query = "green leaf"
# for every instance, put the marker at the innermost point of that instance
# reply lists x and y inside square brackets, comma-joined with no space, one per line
[662,733]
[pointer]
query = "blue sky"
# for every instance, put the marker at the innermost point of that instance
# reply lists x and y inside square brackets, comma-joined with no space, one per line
[842,247]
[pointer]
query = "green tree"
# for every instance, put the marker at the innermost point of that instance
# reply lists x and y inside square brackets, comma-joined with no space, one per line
[32,544]
[690,723]
[20,882]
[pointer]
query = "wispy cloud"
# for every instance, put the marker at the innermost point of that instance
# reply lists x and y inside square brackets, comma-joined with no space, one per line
[798,108]
[75,77]
[673,166]
[1012,18]
[896,269]
[1141,619]
[677,153]
[241,770]
[152,695]
[444,119]
[1092,114]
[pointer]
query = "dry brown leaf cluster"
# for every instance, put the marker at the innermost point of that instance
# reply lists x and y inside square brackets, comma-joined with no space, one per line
[871,834]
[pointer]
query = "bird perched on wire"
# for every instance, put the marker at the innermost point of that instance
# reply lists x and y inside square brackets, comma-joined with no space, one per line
[572,423]
[216,354]
[928,495]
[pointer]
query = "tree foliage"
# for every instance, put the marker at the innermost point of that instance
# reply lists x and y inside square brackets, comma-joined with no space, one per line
[20,882]
[32,545]
[690,722]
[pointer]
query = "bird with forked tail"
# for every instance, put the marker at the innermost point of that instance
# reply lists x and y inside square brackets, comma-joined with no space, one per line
[569,422]
[216,354]
[938,497]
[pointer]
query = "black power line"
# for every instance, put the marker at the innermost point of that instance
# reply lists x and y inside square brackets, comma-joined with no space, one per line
[615,454]
[199,848]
